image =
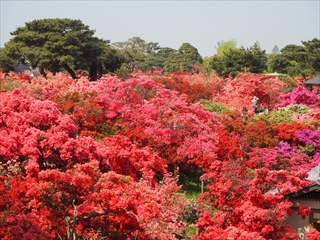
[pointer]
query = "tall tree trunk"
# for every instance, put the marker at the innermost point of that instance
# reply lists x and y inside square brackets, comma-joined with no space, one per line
[93,71]
[99,72]
[70,71]
[42,72]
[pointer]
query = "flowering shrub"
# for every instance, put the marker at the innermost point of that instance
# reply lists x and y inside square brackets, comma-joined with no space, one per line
[289,113]
[313,234]
[286,131]
[256,212]
[309,138]
[93,160]
[238,92]
[214,106]
[194,86]
[301,96]
[190,213]
[59,178]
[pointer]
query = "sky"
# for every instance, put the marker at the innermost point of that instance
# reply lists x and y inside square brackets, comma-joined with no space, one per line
[171,23]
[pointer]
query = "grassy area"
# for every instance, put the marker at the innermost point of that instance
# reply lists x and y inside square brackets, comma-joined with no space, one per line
[191,183]
[192,188]
[190,232]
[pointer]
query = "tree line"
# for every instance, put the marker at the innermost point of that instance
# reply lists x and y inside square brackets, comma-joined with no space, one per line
[69,45]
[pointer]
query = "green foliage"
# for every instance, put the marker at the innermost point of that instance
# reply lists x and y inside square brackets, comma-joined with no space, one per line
[212,106]
[293,60]
[218,64]
[162,55]
[257,59]
[123,73]
[190,232]
[8,84]
[111,59]
[285,114]
[144,93]
[106,129]
[231,63]
[312,48]
[7,59]
[298,108]
[140,55]
[270,62]
[280,116]
[56,44]
[191,183]
[133,51]
[186,59]
[308,149]
[156,59]
[207,62]
[237,60]
[275,50]
[291,84]
[223,47]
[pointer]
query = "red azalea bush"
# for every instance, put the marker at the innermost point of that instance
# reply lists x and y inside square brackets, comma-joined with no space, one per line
[56,178]
[177,130]
[194,86]
[238,92]
[286,131]
[81,159]
[244,202]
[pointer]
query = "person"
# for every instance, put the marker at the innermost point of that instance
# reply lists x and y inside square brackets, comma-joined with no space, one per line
[244,114]
[255,104]
[261,108]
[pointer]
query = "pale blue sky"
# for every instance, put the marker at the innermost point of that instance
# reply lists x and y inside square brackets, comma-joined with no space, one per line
[172,23]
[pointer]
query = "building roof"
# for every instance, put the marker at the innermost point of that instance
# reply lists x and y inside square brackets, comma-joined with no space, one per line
[276,74]
[313,81]
[314,176]
[311,192]
[19,67]
[23,68]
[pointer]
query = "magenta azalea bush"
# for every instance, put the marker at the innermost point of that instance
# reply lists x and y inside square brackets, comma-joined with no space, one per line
[299,95]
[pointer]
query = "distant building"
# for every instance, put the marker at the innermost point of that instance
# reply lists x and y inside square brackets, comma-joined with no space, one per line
[312,83]
[308,196]
[276,74]
[23,68]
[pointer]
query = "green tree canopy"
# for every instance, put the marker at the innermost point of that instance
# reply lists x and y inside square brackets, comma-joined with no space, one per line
[133,50]
[270,58]
[297,60]
[57,44]
[312,48]
[185,59]
[139,54]
[235,60]
[207,63]
[162,55]
[275,50]
[223,46]
[257,59]
[293,60]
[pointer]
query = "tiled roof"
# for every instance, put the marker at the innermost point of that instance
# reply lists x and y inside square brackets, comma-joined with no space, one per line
[314,174]
[19,67]
[313,81]
[22,68]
